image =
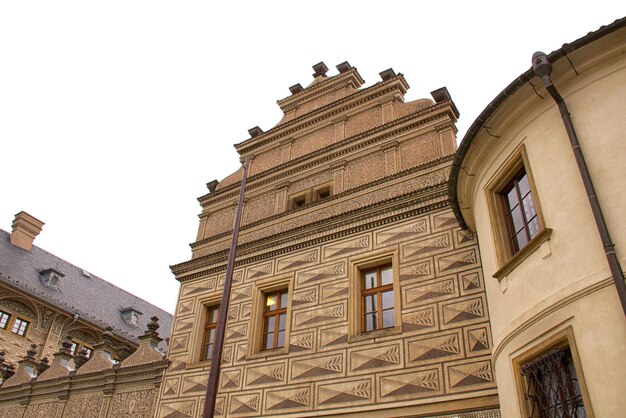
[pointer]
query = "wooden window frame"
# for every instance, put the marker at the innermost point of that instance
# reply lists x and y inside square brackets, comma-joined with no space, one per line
[261,288]
[514,185]
[357,265]
[561,338]
[377,290]
[4,314]
[79,346]
[507,259]
[22,320]
[208,326]
[276,314]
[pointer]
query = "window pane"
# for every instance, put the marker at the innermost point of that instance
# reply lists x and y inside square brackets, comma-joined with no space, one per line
[208,350]
[283,300]
[369,280]
[533,227]
[213,314]
[517,219]
[88,352]
[387,275]
[4,318]
[371,303]
[73,348]
[269,324]
[281,339]
[523,185]
[511,198]
[521,239]
[268,340]
[388,299]
[388,318]
[270,302]
[529,206]
[281,322]
[212,335]
[370,321]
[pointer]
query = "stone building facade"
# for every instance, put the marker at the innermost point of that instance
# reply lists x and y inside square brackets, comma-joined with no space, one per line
[355,291]
[87,388]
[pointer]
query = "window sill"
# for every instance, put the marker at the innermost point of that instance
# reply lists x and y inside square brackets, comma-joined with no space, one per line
[385,332]
[267,353]
[198,364]
[509,265]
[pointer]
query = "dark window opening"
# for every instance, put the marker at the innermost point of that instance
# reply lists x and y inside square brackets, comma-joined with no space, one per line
[552,388]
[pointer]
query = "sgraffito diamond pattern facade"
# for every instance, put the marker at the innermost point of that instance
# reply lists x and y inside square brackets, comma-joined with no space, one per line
[386,163]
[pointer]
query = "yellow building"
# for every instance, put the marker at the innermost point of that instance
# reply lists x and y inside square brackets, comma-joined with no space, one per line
[355,291]
[559,330]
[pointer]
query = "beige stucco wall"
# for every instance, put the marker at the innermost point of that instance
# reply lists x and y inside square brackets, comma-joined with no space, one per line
[566,281]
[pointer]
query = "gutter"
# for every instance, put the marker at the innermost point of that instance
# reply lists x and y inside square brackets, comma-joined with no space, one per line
[542,68]
[491,108]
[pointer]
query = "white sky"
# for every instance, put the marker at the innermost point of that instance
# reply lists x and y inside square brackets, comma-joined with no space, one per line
[115,114]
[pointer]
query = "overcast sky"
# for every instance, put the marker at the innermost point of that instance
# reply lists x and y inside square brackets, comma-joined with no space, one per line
[115,114]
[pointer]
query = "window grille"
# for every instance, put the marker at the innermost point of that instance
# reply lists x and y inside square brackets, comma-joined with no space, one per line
[552,389]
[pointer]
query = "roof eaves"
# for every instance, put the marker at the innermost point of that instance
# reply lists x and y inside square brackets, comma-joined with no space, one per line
[501,98]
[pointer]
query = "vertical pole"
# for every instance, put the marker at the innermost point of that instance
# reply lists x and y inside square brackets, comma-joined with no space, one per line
[211,391]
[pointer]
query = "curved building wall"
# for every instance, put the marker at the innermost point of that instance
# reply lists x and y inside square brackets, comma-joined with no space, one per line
[560,291]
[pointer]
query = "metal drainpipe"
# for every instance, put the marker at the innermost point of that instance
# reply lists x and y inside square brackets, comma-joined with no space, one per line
[216,357]
[542,68]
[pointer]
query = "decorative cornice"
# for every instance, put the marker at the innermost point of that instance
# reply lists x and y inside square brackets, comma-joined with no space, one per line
[431,198]
[332,151]
[323,113]
[379,181]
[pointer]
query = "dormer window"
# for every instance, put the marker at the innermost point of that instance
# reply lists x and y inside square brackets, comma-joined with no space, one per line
[131,316]
[51,278]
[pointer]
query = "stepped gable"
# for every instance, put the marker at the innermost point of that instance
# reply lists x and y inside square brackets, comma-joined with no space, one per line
[329,110]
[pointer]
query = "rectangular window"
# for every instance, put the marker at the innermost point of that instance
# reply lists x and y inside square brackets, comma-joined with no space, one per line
[515,213]
[552,389]
[78,346]
[19,326]
[270,320]
[274,319]
[210,328]
[323,193]
[374,299]
[88,351]
[520,211]
[377,298]
[298,201]
[4,319]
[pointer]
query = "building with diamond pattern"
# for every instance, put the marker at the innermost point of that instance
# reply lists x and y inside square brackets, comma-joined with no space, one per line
[355,291]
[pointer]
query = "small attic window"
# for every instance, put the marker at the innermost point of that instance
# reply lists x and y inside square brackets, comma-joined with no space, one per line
[298,201]
[85,273]
[51,278]
[131,316]
[323,193]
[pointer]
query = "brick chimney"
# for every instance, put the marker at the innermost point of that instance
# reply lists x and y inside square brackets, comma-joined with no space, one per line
[25,229]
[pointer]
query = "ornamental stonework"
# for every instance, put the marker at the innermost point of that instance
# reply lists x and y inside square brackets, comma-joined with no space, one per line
[388,164]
